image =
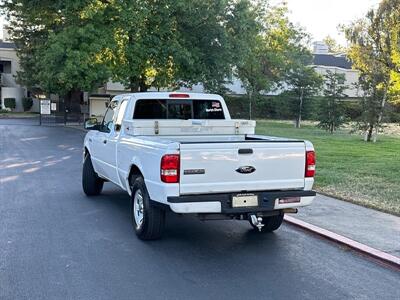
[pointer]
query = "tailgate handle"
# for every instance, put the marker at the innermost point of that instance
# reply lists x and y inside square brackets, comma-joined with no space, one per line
[245,151]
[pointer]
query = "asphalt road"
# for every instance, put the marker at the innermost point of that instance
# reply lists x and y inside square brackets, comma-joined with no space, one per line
[55,243]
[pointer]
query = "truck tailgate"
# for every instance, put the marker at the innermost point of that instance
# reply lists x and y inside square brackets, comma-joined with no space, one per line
[241,166]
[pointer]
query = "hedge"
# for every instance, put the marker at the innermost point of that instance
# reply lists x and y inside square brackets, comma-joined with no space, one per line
[285,107]
[271,107]
[27,103]
[10,103]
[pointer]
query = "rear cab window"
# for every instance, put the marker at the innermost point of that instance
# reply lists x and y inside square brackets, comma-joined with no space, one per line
[178,109]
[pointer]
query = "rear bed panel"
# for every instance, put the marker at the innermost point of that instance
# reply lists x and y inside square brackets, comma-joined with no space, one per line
[214,167]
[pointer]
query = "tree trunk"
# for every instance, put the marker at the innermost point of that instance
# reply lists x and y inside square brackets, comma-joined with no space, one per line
[138,84]
[298,121]
[250,104]
[380,116]
[134,87]
[142,85]
[72,101]
[134,84]
[368,135]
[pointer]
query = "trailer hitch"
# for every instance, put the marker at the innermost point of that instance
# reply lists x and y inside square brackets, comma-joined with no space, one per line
[257,221]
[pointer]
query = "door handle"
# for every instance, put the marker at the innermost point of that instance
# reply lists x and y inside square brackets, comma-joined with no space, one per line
[245,151]
[105,142]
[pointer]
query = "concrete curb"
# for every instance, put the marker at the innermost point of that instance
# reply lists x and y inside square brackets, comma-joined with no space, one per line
[373,253]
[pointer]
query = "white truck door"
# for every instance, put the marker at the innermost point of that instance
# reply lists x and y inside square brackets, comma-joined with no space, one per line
[109,154]
[104,142]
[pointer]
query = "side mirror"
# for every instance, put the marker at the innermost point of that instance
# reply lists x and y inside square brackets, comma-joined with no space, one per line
[91,124]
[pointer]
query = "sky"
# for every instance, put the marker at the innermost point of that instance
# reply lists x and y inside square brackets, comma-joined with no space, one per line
[322,17]
[319,17]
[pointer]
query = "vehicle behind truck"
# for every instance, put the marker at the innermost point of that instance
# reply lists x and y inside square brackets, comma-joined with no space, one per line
[182,152]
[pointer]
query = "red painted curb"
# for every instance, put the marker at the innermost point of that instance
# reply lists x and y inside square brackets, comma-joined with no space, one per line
[364,249]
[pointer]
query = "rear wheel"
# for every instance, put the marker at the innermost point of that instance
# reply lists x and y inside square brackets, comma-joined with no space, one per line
[147,220]
[271,223]
[92,184]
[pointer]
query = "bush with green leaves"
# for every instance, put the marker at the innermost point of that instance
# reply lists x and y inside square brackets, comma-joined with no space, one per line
[285,105]
[352,109]
[392,113]
[10,103]
[282,107]
[331,114]
[27,103]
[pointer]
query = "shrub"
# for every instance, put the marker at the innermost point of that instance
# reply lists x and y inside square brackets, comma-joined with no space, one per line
[27,103]
[270,107]
[352,109]
[285,106]
[9,103]
[392,113]
[238,106]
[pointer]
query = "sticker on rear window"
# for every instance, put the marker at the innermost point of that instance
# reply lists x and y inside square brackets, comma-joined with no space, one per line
[213,109]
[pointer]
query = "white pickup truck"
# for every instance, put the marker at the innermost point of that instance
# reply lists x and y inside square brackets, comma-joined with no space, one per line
[183,152]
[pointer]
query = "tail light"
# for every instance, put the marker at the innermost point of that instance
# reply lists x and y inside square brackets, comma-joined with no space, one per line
[310,164]
[169,169]
[176,95]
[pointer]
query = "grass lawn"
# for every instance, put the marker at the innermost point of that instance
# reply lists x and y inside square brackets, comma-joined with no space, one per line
[349,168]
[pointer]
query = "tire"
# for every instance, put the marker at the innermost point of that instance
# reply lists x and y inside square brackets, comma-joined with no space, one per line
[149,223]
[271,223]
[92,184]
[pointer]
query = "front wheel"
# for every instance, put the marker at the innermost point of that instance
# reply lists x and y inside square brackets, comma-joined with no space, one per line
[271,223]
[92,184]
[147,220]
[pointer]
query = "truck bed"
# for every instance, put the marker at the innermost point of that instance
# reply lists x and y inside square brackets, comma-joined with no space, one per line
[212,139]
[226,139]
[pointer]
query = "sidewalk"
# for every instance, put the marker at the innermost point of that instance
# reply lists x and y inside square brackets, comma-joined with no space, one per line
[367,226]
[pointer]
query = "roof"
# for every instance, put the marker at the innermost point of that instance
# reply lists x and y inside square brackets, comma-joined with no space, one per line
[332,60]
[7,45]
[169,95]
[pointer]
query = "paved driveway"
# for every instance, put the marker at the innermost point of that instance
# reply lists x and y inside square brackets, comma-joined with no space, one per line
[55,243]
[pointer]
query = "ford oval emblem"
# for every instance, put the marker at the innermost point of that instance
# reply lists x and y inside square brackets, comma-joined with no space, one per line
[245,169]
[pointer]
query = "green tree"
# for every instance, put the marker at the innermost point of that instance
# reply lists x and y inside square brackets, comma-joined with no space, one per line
[374,44]
[303,82]
[390,12]
[371,103]
[142,43]
[69,46]
[29,34]
[333,45]
[207,50]
[331,111]
[272,51]
[176,43]
[58,44]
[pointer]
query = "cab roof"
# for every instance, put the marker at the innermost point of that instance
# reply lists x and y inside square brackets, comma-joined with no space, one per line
[169,95]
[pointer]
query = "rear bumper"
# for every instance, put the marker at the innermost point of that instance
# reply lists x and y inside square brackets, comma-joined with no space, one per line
[222,203]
